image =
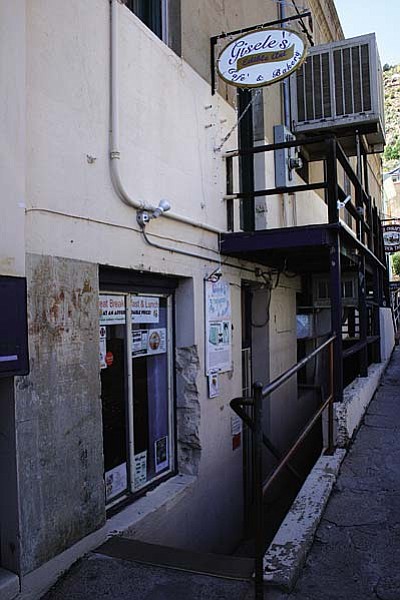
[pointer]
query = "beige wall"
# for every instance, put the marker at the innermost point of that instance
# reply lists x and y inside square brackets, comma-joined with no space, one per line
[12,137]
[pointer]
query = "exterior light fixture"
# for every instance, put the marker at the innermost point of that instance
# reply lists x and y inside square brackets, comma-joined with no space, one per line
[144,216]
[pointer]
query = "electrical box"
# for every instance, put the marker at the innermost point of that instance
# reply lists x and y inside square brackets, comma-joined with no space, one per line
[14,358]
[286,160]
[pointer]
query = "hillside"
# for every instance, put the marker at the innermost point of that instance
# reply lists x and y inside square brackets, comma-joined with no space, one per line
[391,82]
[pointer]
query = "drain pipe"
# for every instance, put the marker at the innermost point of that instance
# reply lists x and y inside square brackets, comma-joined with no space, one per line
[115,154]
[291,197]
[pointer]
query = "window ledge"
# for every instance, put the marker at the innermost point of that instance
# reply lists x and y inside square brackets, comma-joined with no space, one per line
[164,495]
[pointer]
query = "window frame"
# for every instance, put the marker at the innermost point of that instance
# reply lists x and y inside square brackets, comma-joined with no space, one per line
[132,493]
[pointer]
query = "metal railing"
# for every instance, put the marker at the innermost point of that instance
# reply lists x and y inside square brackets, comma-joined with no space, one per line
[358,204]
[395,303]
[260,393]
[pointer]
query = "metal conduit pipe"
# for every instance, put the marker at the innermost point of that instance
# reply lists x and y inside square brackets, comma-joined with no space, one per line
[285,82]
[115,154]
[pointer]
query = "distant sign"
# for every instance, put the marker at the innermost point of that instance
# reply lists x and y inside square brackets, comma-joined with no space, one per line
[391,238]
[261,57]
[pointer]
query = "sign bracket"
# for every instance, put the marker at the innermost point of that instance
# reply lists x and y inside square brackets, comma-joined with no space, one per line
[215,38]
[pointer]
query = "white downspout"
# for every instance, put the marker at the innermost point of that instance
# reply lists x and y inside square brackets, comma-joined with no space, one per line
[115,154]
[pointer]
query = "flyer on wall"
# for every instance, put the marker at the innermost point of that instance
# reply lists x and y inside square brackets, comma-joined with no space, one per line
[218,327]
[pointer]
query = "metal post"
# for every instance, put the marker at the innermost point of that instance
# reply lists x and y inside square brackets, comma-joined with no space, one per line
[336,316]
[359,192]
[331,178]
[330,448]
[258,493]
[377,323]
[213,42]
[246,163]
[363,315]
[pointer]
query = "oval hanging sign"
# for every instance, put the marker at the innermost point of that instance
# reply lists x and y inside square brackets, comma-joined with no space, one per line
[261,57]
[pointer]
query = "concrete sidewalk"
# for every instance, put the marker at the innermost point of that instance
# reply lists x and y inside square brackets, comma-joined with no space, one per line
[356,551]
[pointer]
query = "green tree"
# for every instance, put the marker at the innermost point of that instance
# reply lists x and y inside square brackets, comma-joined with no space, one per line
[396,263]
[392,151]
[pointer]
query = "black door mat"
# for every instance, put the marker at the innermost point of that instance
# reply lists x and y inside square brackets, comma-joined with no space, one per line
[214,565]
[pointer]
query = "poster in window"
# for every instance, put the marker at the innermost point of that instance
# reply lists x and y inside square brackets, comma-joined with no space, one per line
[116,481]
[161,454]
[140,469]
[146,342]
[102,346]
[145,309]
[112,310]
[218,327]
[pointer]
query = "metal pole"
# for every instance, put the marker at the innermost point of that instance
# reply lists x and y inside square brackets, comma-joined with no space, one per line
[336,316]
[285,83]
[363,317]
[258,493]
[330,448]
[331,178]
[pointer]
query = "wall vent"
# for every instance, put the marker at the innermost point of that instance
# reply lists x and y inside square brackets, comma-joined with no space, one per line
[339,88]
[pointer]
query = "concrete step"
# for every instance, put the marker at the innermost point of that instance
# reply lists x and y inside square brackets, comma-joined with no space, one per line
[214,565]
[9,585]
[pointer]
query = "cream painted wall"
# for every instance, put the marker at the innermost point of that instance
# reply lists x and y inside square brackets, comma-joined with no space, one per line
[12,137]
[167,141]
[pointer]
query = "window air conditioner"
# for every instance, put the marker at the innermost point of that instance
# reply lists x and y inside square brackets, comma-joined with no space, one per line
[339,88]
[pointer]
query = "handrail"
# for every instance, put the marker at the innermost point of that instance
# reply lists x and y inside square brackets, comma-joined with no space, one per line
[260,393]
[271,387]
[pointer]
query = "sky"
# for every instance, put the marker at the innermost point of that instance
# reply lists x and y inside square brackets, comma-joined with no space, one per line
[379,16]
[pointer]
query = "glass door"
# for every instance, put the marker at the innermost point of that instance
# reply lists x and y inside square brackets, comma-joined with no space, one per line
[113,392]
[151,389]
[135,363]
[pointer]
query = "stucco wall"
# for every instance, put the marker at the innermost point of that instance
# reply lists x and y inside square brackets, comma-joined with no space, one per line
[58,411]
[167,140]
[12,137]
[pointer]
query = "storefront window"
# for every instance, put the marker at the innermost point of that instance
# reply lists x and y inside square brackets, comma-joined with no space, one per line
[136,391]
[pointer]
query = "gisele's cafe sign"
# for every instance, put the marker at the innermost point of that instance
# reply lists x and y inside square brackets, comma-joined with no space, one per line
[261,57]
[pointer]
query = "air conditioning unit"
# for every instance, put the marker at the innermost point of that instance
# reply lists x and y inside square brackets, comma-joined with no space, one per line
[339,88]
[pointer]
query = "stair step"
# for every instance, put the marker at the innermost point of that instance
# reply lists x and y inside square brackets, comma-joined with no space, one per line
[9,585]
[214,565]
